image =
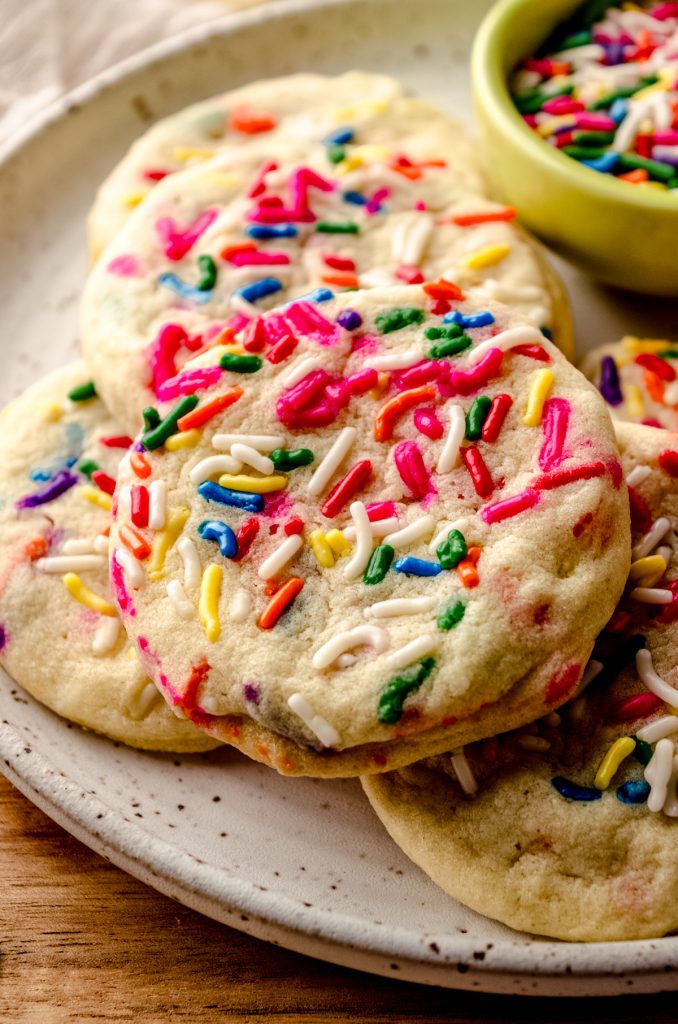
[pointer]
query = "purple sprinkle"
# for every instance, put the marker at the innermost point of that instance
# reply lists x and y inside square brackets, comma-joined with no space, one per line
[63,481]
[3,638]
[609,386]
[251,693]
[614,53]
[349,319]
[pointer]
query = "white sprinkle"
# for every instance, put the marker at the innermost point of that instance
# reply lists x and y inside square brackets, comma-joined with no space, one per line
[637,475]
[70,563]
[106,636]
[449,454]
[656,532]
[262,442]
[359,636]
[654,682]
[213,465]
[410,534]
[77,547]
[357,563]
[577,55]
[279,558]
[346,660]
[298,372]
[191,559]
[443,534]
[132,567]
[101,544]
[504,293]
[251,457]
[651,595]
[125,503]
[410,238]
[658,774]
[537,744]
[394,360]
[416,649]
[145,699]
[241,605]
[659,729]
[462,770]
[400,606]
[379,528]
[319,726]
[670,393]
[506,340]
[592,670]
[670,807]
[177,596]
[330,464]
[377,277]
[157,511]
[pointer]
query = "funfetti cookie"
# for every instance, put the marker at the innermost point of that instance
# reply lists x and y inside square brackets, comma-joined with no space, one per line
[214,247]
[60,635]
[343,113]
[637,378]
[397,523]
[569,827]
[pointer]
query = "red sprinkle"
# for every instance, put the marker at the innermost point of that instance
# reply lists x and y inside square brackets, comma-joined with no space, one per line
[443,289]
[295,526]
[495,417]
[668,460]
[282,349]
[410,275]
[562,683]
[480,474]
[103,481]
[561,477]
[532,352]
[117,441]
[347,488]
[140,506]
[245,537]
[153,174]
[339,262]
[134,542]
[661,367]
[639,706]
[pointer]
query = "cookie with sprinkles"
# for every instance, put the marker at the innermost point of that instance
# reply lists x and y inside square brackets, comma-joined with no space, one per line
[397,523]
[216,246]
[569,827]
[637,378]
[60,635]
[343,112]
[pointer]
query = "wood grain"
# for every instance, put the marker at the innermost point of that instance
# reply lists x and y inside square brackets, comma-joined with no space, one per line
[81,941]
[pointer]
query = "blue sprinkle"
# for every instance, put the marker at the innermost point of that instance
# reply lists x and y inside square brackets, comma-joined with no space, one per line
[619,110]
[417,566]
[186,291]
[349,319]
[212,529]
[606,163]
[40,476]
[572,791]
[264,231]
[260,289]
[472,320]
[243,500]
[317,295]
[339,137]
[547,332]
[357,198]
[633,792]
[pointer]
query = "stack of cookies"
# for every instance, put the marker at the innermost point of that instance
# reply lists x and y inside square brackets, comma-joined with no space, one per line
[327,489]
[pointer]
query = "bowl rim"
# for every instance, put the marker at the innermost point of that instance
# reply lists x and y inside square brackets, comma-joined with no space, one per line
[491,90]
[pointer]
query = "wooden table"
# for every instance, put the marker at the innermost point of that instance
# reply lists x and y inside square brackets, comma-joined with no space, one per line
[81,941]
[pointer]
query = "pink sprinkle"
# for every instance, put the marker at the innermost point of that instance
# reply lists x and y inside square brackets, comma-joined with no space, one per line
[320,415]
[595,122]
[368,344]
[667,138]
[663,11]
[237,322]
[421,373]
[428,423]
[178,243]
[256,259]
[410,465]
[464,382]
[420,205]
[555,421]
[188,383]
[258,186]
[300,181]
[307,321]
[305,390]
[373,204]
[122,597]
[560,105]
[355,384]
[410,275]
[124,266]
[381,510]
[278,504]
[509,507]
[163,353]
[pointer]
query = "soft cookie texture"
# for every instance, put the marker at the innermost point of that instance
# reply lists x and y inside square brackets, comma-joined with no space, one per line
[60,636]
[394,522]
[637,378]
[218,245]
[305,108]
[568,828]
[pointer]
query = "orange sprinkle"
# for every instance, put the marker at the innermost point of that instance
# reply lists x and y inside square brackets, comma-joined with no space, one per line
[203,413]
[466,570]
[443,289]
[35,548]
[654,386]
[341,279]
[140,465]
[134,542]
[468,220]
[407,171]
[385,419]
[636,177]
[280,601]
[235,250]
[249,122]
[560,67]
[261,749]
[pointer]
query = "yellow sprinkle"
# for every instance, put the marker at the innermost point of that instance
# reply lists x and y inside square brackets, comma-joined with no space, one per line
[647,567]
[488,256]
[619,750]
[52,411]
[164,540]
[184,439]
[77,589]
[185,153]
[220,180]
[96,497]
[321,549]
[358,109]
[547,128]
[636,346]
[635,405]
[652,184]
[338,542]
[542,382]
[649,90]
[133,199]
[208,606]
[351,163]
[254,484]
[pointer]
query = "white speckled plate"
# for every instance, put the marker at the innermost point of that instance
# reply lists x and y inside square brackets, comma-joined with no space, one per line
[299,862]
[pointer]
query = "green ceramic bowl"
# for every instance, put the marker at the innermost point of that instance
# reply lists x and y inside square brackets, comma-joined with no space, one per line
[623,234]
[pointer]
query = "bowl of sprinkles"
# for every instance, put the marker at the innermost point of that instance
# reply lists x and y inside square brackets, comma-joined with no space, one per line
[577,116]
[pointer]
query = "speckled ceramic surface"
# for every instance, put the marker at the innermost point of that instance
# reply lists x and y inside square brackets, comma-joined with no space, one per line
[300,862]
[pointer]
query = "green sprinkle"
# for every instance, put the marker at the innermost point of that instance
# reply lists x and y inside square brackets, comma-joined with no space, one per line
[208,273]
[165,428]
[151,418]
[379,564]
[643,751]
[395,319]
[397,691]
[582,38]
[452,347]
[345,227]
[476,416]
[672,182]
[285,460]
[452,550]
[583,138]
[595,10]
[532,100]
[87,467]
[671,353]
[83,392]
[240,364]
[622,93]
[451,615]
[449,331]
[336,152]
[584,152]
[632,162]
